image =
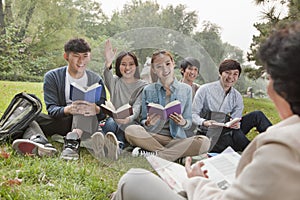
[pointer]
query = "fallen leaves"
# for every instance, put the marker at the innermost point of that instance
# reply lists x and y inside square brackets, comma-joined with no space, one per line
[4,154]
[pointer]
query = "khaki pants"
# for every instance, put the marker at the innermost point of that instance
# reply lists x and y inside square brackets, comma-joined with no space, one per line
[166,147]
[139,184]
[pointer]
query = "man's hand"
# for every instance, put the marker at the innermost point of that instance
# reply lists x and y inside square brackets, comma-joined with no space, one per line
[82,108]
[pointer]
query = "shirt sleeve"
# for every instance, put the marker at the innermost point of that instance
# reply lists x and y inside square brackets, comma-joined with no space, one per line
[198,106]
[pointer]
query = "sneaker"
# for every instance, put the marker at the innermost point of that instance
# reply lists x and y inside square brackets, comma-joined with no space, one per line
[137,151]
[97,144]
[36,145]
[112,146]
[71,147]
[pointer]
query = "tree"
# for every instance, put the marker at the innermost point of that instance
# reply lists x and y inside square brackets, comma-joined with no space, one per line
[273,18]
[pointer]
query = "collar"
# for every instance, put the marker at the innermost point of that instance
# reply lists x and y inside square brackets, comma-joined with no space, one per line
[173,86]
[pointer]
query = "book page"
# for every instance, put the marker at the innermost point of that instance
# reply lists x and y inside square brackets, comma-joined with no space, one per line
[172,173]
[172,103]
[221,168]
[124,107]
[74,84]
[95,85]
[155,105]
[227,124]
[109,105]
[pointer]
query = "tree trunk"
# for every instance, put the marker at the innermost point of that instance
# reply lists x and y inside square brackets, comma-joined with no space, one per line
[2,25]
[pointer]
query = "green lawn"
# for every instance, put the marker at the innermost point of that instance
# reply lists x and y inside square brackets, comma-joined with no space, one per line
[52,178]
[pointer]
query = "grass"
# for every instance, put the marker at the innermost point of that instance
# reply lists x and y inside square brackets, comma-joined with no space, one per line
[26,177]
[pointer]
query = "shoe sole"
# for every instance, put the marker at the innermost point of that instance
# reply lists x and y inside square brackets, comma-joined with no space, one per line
[111,143]
[98,145]
[25,146]
[69,157]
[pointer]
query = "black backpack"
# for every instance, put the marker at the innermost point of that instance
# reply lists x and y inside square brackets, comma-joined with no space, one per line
[22,110]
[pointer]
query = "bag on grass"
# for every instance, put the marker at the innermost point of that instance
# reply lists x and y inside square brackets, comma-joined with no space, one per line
[21,111]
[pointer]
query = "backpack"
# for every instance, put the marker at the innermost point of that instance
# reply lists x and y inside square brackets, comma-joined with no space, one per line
[22,110]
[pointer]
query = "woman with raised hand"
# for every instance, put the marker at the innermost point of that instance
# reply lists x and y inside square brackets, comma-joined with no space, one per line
[123,87]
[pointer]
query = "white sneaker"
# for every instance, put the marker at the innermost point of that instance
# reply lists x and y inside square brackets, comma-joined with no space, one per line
[36,145]
[138,151]
[98,145]
[112,145]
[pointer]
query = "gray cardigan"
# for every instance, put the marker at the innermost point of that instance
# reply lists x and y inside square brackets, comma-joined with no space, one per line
[54,91]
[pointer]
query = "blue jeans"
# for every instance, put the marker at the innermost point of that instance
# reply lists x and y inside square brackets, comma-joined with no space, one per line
[111,126]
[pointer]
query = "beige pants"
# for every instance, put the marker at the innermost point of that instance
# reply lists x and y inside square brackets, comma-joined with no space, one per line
[166,147]
[139,184]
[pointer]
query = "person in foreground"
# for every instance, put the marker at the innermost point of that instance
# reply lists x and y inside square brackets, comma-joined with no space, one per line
[269,166]
[166,138]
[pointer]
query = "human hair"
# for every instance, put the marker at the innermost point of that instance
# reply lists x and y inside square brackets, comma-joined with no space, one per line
[229,64]
[189,61]
[279,55]
[77,45]
[154,77]
[120,56]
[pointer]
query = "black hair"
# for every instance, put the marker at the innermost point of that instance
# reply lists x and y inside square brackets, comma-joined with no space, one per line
[77,45]
[229,65]
[280,57]
[121,55]
[189,61]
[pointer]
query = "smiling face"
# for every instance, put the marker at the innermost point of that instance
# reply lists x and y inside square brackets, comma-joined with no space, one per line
[77,62]
[163,67]
[127,67]
[228,78]
[190,74]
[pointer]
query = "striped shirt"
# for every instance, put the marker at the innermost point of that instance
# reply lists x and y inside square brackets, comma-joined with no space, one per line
[212,97]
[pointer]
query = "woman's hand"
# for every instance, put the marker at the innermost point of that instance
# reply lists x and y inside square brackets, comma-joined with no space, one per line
[194,170]
[178,119]
[152,119]
[109,54]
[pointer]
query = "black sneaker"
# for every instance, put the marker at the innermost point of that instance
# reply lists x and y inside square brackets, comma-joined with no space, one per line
[137,151]
[71,147]
[36,145]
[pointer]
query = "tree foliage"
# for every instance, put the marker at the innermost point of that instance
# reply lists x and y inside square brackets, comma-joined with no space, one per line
[272,19]
[33,32]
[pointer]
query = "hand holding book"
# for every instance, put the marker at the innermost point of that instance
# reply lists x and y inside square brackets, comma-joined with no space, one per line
[229,124]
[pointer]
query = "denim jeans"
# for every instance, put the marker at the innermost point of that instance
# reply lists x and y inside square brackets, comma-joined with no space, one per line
[111,126]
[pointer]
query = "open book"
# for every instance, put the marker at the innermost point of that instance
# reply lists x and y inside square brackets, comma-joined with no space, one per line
[164,112]
[120,113]
[91,94]
[221,169]
[227,124]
